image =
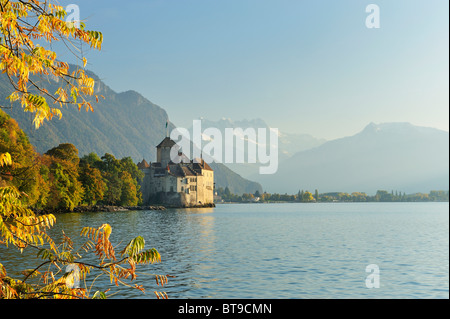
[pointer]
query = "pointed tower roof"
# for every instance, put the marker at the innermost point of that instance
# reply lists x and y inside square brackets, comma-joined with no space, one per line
[143,164]
[167,142]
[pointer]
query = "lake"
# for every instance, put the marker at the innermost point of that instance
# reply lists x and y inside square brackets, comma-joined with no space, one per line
[282,251]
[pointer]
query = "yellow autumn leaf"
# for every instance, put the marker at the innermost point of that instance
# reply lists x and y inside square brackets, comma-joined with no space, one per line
[5,159]
[25,26]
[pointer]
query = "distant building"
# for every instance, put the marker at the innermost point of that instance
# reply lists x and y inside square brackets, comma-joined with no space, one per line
[184,184]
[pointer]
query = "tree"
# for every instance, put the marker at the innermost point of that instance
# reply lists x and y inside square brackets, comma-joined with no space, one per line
[110,168]
[44,184]
[129,166]
[247,197]
[56,274]
[383,196]
[113,190]
[66,151]
[307,197]
[344,197]
[25,30]
[92,159]
[129,194]
[25,63]
[131,177]
[20,227]
[110,164]
[265,196]
[93,184]
[66,191]
[23,170]
[300,195]
[359,197]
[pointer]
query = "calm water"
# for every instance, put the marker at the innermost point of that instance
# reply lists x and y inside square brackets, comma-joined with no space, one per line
[283,250]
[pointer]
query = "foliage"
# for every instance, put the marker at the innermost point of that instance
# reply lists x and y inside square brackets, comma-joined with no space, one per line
[62,181]
[20,227]
[129,194]
[18,224]
[122,180]
[61,188]
[43,180]
[66,191]
[306,196]
[25,26]
[67,152]
[93,184]
[61,271]
[22,170]
[5,159]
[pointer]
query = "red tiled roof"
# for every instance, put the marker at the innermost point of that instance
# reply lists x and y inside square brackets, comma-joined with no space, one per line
[143,164]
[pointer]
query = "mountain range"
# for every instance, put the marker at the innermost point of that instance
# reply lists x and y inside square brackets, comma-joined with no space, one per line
[288,143]
[387,156]
[123,124]
[391,156]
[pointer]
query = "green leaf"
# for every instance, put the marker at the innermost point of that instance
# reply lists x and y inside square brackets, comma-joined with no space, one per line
[99,295]
[134,246]
[148,256]
[45,254]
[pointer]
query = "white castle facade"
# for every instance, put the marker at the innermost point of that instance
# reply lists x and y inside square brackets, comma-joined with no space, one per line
[187,183]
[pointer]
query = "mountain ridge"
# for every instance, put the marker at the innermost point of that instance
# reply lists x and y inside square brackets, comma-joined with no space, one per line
[399,156]
[288,143]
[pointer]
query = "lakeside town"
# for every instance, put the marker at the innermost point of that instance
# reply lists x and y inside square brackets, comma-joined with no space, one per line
[225,196]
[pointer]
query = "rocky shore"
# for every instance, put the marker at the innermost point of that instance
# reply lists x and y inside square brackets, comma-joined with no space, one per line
[195,206]
[98,208]
[106,208]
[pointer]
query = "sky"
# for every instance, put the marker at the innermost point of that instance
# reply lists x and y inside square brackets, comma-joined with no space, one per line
[302,66]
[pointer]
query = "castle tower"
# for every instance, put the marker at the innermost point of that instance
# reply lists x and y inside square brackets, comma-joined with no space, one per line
[163,151]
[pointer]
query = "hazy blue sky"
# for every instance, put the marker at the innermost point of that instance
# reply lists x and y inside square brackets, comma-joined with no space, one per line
[302,66]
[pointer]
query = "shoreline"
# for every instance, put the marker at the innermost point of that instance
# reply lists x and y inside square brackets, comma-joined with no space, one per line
[96,209]
[112,208]
[333,202]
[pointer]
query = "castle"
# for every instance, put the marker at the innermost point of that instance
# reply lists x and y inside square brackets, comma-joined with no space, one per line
[179,183]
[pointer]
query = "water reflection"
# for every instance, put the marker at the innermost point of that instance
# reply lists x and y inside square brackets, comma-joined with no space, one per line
[187,245]
[277,251]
